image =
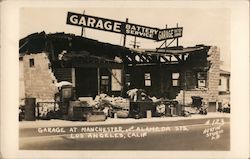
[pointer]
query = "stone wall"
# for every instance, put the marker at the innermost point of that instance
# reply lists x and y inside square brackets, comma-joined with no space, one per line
[211,93]
[39,80]
[21,82]
[213,74]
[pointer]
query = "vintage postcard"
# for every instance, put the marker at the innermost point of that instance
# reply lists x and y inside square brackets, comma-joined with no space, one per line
[127,79]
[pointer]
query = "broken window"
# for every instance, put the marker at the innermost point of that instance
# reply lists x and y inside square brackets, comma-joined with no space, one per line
[202,79]
[32,62]
[175,79]
[147,78]
[220,82]
[116,80]
[104,84]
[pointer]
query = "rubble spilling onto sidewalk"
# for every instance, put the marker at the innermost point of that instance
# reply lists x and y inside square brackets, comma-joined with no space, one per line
[137,105]
[103,100]
[109,105]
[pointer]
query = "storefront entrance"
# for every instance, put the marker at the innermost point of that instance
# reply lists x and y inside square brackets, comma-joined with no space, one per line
[86,82]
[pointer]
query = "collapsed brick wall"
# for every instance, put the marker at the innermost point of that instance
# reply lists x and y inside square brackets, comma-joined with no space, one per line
[39,80]
[213,74]
[211,93]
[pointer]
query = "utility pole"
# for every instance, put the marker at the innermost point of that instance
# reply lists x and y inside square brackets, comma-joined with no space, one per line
[177,40]
[124,37]
[123,69]
[166,41]
[184,86]
[135,42]
[83,29]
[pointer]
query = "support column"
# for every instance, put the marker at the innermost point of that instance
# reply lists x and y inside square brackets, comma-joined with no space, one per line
[73,77]
[98,81]
[184,86]
[124,37]
[122,80]
[162,83]
[177,40]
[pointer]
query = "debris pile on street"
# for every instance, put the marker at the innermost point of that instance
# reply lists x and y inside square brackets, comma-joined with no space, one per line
[138,105]
[63,83]
[112,101]
[103,100]
[225,106]
[47,110]
[109,105]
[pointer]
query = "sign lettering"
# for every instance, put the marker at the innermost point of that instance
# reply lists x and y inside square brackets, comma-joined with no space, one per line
[123,27]
[170,33]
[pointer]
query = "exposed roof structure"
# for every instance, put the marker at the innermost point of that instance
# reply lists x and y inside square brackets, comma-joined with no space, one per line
[58,42]
[73,46]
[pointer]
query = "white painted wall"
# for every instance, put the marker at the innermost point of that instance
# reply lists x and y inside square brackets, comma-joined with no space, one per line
[224,84]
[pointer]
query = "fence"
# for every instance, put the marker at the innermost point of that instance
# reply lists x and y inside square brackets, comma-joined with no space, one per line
[46,110]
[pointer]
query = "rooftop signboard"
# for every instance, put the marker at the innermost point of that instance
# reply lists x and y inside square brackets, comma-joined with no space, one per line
[115,26]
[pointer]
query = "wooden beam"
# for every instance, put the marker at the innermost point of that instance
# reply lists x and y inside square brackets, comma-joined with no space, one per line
[165,58]
[95,65]
[178,58]
[143,59]
[148,58]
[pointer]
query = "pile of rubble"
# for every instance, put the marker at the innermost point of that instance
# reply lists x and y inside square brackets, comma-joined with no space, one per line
[109,105]
[103,100]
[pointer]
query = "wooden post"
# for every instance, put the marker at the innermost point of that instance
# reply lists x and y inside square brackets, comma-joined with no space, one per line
[166,41]
[122,79]
[83,31]
[98,81]
[124,37]
[161,73]
[122,69]
[161,80]
[184,88]
[177,40]
[73,77]
[135,42]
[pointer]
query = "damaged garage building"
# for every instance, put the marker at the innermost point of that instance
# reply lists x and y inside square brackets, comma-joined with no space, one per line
[95,67]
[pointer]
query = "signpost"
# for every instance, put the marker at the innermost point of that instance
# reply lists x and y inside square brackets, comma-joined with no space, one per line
[125,28]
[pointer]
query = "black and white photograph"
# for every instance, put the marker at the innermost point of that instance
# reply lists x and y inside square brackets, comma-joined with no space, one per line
[131,76]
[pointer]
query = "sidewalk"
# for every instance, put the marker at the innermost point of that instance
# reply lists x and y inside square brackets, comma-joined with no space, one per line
[111,121]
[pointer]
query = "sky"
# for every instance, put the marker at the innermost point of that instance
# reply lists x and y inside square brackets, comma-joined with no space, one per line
[209,26]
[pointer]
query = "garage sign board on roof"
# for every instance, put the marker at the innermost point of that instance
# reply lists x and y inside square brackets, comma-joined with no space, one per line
[104,24]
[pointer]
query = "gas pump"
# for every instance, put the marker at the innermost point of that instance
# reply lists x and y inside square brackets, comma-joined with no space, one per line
[63,97]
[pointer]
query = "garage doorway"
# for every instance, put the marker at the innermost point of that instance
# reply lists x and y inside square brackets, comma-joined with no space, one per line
[86,82]
[212,107]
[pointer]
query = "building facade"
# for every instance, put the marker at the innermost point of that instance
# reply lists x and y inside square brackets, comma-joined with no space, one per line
[94,67]
[224,88]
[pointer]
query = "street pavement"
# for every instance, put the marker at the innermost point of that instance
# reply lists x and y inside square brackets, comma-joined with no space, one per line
[211,132]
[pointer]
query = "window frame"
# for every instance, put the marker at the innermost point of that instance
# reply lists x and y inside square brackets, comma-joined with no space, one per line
[147,79]
[200,78]
[178,79]
[105,83]
[31,62]
[106,80]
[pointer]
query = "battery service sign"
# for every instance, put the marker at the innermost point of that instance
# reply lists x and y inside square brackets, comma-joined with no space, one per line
[123,27]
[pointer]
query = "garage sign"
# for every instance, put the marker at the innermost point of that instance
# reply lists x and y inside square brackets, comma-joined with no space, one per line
[123,27]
